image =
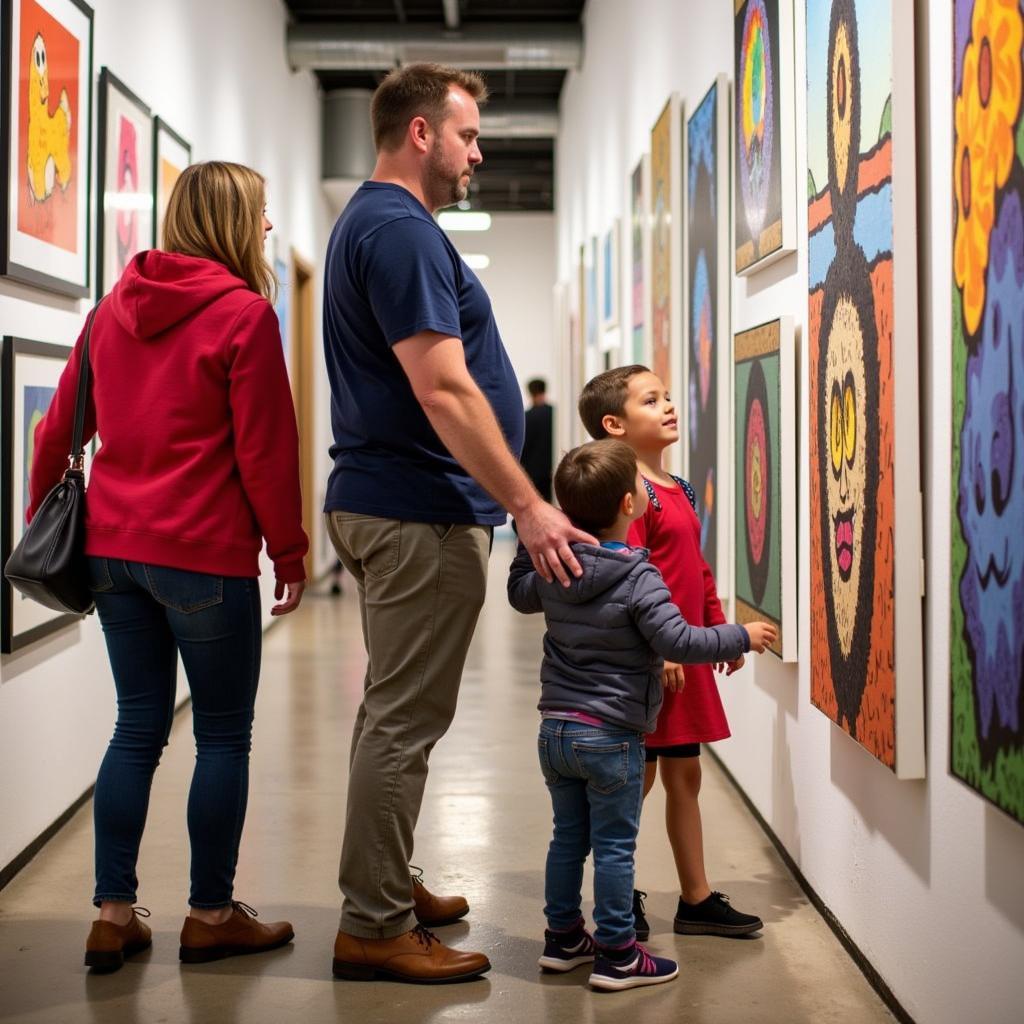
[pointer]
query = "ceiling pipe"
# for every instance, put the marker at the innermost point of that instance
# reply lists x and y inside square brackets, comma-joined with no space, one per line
[503,120]
[451,14]
[380,47]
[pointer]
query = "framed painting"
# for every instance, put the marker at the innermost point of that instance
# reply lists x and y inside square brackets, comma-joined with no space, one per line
[46,143]
[592,306]
[610,262]
[171,155]
[640,245]
[764,384]
[31,371]
[666,242]
[707,324]
[987,514]
[864,479]
[765,133]
[125,200]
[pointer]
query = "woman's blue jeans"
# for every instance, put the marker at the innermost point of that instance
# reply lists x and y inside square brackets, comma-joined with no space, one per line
[595,775]
[149,615]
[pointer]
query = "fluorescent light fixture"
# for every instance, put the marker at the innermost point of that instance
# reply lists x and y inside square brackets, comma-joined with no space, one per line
[476,260]
[456,220]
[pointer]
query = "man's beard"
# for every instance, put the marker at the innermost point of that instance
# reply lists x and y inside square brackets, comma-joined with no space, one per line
[444,186]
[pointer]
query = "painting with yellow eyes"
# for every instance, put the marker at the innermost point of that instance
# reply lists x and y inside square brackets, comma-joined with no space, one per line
[47,70]
[987,570]
[865,521]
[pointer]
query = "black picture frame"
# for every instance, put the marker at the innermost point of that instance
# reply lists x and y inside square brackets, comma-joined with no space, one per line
[13,263]
[162,128]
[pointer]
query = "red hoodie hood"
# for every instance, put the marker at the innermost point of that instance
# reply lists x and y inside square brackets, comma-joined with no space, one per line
[160,289]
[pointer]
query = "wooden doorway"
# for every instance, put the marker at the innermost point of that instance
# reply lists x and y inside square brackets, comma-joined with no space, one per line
[303,391]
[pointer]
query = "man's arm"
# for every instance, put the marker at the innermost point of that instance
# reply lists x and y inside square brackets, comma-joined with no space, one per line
[465,422]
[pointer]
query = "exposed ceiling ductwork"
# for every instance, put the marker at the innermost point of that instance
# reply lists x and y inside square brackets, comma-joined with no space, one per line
[485,47]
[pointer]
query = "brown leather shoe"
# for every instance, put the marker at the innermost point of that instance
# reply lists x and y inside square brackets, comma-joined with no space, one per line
[108,943]
[434,911]
[239,935]
[417,956]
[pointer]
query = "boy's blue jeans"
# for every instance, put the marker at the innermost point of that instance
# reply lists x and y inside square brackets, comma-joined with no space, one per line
[595,775]
[149,615]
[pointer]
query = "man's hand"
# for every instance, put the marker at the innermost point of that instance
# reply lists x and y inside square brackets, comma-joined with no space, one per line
[547,534]
[294,597]
[672,677]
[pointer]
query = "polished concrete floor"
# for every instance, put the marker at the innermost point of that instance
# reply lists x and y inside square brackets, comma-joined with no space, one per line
[483,832]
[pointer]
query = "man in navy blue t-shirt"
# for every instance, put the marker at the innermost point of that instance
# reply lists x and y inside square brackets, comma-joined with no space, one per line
[428,427]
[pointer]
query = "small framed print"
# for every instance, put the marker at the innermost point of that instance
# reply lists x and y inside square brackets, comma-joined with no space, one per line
[125,201]
[31,371]
[171,155]
[46,143]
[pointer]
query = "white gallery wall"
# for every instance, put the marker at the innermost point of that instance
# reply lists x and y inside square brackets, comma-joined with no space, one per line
[217,72]
[924,875]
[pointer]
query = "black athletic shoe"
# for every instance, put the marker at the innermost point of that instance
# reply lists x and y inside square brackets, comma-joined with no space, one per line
[640,925]
[715,916]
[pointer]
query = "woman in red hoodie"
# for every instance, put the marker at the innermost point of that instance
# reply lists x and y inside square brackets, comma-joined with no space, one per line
[198,464]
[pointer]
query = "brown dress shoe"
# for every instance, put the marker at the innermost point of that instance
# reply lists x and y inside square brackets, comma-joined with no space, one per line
[239,935]
[433,911]
[108,943]
[417,956]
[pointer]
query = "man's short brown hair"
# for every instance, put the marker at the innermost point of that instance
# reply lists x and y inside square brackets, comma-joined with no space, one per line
[605,395]
[592,480]
[417,90]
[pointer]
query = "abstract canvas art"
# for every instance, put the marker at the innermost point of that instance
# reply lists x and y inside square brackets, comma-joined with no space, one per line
[765,485]
[865,514]
[706,330]
[987,527]
[125,201]
[45,122]
[640,240]
[666,241]
[171,155]
[765,225]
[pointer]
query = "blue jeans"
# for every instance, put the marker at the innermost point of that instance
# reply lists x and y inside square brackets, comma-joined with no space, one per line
[149,615]
[595,775]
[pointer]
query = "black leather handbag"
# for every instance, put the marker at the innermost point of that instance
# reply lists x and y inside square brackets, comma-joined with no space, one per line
[49,565]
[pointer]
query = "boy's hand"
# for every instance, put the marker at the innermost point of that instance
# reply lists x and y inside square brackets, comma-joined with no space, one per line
[735,666]
[672,677]
[762,636]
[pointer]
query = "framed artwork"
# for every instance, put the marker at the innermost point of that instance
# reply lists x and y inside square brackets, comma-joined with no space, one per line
[592,353]
[864,479]
[707,327]
[125,200]
[282,308]
[666,241]
[171,155]
[46,143]
[31,371]
[987,514]
[640,244]
[765,221]
[610,261]
[764,384]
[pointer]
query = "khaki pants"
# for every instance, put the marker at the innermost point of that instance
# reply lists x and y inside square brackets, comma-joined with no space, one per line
[421,587]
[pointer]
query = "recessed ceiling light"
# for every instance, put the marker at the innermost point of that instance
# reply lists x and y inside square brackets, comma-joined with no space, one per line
[456,220]
[476,260]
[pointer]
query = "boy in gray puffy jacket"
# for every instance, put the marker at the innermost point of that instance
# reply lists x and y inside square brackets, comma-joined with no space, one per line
[608,633]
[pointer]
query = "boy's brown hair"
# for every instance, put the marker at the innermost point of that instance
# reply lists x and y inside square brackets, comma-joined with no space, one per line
[605,395]
[417,90]
[592,480]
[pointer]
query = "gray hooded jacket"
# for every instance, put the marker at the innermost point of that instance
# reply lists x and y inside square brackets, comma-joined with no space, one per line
[609,633]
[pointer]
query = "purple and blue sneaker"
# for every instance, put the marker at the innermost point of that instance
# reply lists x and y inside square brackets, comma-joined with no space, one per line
[617,969]
[564,951]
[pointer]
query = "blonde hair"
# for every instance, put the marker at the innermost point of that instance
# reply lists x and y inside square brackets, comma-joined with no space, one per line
[216,211]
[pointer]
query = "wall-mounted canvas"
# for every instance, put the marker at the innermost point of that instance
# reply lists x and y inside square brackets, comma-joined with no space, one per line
[666,241]
[125,171]
[765,163]
[640,245]
[46,143]
[611,260]
[865,505]
[171,155]
[764,457]
[592,305]
[706,332]
[31,371]
[987,527]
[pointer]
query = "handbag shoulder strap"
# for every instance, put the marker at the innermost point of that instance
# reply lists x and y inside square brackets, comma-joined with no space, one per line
[77,450]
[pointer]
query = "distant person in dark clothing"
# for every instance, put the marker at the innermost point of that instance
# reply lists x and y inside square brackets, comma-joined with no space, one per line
[537,447]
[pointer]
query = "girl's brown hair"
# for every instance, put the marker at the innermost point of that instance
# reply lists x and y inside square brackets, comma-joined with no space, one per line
[216,211]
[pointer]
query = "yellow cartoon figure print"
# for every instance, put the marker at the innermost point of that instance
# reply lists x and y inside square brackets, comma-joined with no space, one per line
[49,135]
